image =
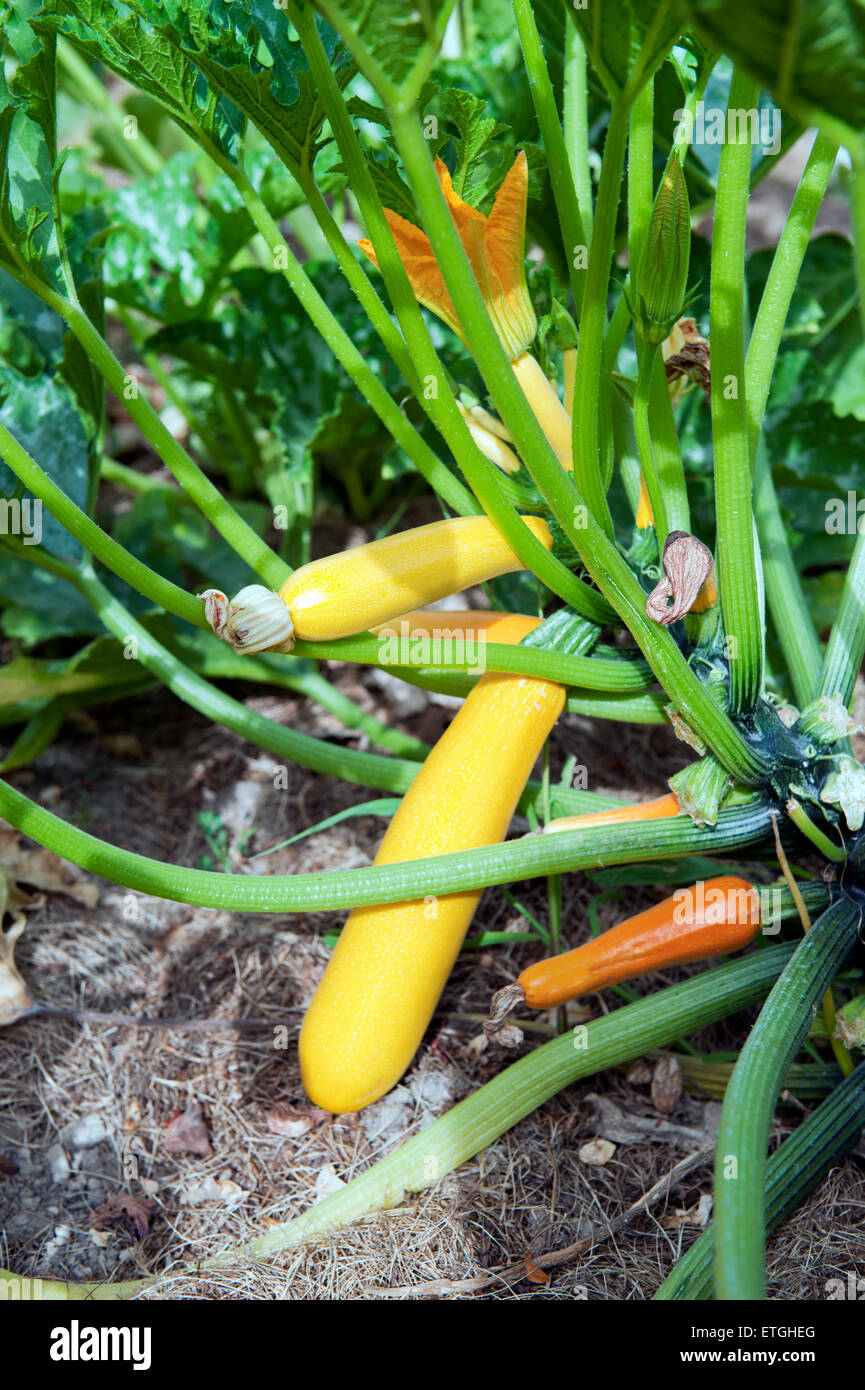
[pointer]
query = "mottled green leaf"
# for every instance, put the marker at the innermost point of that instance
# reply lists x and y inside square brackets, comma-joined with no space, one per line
[395,43]
[42,416]
[107,32]
[810,55]
[615,33]
[197,49]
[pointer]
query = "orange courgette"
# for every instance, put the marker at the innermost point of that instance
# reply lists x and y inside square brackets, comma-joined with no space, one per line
[708,919]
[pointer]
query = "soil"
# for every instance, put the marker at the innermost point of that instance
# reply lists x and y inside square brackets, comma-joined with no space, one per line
[86,1109]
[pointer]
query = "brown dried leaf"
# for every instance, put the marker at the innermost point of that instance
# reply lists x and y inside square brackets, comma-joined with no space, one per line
[186,1133]
[666,1085]
[697,1215]
[683,731]
[534,1273]
[292,1121]
[42,869]
[123,1208]
[8,1169]
[15,1001]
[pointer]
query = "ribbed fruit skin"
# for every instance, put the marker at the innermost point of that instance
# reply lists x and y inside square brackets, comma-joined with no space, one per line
[391,962]
[357,589]
[708,919]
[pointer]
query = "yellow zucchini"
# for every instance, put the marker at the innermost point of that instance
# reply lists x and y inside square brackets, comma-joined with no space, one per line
[358,589]
[392,961]
[551,415]
[429,621]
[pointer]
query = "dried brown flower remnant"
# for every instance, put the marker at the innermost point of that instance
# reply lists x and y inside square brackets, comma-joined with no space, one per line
[688,566]
[686,357]
[123,1208]
[496,1027]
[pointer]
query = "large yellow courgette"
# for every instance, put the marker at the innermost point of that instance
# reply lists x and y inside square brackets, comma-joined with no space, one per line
[391,962]
[358,589]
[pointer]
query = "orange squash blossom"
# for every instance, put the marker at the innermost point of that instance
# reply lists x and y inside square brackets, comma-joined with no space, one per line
[495,247]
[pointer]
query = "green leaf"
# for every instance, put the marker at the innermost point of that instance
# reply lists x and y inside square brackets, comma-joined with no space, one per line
[848,393]
[395,44]
[33,82]
[108,33]
[38,733]
[475,136]
[483,149]
[31,334]
[177,541]
[27,166]
[810,55]
[245,50]
[43,418]
[173,268]
[614,33]
[37,606]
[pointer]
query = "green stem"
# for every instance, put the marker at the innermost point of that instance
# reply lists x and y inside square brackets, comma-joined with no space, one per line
[802,1161]
[857,210]
[812,832]
[597,552]
[364,769]
[475,1123]
[247,465]
[535,856]
[219,460]
[736,553]
[751,1095]
[319,689]
[131,478]
[791,616]
[219,512]
[616,332]
[357,278]
[628,708]
[668,451]
[367,769]
[576,124]
[590,385]
[594,673]
[134,572]
[438,402]
[546,110]
[641,184]
[846,647]
[642,432]
[781,281]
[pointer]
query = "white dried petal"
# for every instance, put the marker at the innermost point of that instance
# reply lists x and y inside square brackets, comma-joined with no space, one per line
[256,620]
[215,609]
[846,788]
